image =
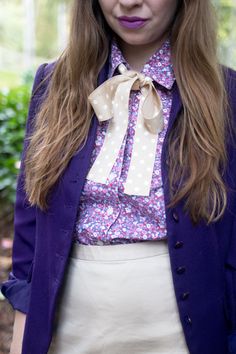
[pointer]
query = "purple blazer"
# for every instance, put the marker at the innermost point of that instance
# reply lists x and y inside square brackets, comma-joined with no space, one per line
[203,257]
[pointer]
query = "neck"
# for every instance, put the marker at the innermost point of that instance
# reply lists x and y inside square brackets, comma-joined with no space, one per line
[138,55]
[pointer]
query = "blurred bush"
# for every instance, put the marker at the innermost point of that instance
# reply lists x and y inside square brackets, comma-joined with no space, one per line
[13,111]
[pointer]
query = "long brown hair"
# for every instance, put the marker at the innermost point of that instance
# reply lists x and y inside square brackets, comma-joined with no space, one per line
[197,148]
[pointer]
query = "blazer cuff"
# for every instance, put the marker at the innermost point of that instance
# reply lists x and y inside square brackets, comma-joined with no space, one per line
[232,342]
[17,292]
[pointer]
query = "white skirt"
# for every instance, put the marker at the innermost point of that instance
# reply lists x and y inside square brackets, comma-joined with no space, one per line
[119,299]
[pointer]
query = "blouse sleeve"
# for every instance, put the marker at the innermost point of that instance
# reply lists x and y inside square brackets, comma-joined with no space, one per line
[17,288]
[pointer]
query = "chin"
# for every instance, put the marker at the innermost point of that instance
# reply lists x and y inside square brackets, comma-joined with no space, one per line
[134,41]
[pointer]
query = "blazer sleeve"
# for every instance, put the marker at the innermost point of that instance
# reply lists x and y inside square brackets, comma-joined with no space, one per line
[230,273]
[17,288]
[230,265]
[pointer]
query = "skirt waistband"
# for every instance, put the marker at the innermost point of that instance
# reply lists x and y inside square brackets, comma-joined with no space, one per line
[120,252]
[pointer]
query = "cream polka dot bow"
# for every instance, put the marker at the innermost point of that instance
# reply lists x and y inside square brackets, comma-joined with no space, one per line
[110,101]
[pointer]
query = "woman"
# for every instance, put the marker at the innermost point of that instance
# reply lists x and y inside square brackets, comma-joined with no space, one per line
[125,228]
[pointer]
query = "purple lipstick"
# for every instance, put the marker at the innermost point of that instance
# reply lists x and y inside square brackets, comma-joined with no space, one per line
[132,22]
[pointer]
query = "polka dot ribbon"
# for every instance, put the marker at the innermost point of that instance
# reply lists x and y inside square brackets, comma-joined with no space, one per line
[110,101]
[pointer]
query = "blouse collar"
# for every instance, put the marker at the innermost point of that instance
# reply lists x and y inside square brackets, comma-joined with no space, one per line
[159,67]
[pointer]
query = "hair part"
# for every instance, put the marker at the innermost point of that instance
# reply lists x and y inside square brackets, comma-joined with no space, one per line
[196,145]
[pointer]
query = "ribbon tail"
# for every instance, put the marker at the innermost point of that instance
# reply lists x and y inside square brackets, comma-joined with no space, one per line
[114,137]
[152,111]
[140,172]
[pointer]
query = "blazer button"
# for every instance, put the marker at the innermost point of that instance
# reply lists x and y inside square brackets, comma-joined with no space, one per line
[178,244]
[175,216]
[185,295]
[180,270]
[69,206]
[188,320]
[64,232]
[73,181]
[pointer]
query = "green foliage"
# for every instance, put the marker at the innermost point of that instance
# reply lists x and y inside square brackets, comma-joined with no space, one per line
[13,111]
[9,78]
[227,32]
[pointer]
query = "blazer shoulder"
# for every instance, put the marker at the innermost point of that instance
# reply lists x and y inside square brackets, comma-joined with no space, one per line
[231,73]
[39,90]
[42,78]
[230,79]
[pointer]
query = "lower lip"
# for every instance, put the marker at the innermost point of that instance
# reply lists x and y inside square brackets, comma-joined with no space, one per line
[133,24]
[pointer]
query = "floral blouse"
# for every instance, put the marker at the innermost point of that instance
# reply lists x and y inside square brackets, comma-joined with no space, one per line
[106,215]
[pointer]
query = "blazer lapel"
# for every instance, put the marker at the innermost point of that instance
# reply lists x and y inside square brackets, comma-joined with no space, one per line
[66,195]
[174,114]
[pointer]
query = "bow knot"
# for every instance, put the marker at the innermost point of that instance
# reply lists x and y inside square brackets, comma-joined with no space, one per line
[111,100]
[141,79]
[144,80]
